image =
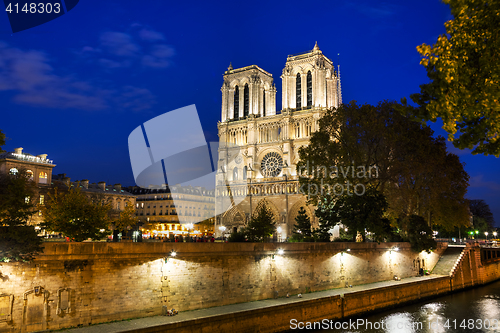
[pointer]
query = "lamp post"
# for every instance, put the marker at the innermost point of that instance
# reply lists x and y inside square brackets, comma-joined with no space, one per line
[222,229]
[486,234]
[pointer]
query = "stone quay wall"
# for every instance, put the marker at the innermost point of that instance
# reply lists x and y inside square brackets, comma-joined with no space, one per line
[79,284]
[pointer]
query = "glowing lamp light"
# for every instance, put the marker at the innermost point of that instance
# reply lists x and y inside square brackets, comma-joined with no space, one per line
[281,252]
[173,253]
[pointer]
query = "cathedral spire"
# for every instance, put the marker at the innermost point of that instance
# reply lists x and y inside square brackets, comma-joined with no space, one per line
[316,47]
[230,68]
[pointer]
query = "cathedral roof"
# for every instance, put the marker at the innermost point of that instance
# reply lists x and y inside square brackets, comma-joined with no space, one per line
[247,68]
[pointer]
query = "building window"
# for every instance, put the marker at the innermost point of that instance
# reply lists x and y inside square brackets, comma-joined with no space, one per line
[236,113]
[244,176]
[30,174]
[264,104]
[235,174]
[309,89]
[246,101]
[13,171]
[42,199]
[298,91]
[42,178]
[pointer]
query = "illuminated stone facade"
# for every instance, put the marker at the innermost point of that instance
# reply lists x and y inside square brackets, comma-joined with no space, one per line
[161,210]
[257,163]
[40,169]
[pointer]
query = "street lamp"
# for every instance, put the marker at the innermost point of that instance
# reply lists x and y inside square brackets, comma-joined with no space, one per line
[486,234]
[222,229]
[495,234]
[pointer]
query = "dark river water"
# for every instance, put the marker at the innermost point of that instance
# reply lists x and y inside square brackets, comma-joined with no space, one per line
[475,310]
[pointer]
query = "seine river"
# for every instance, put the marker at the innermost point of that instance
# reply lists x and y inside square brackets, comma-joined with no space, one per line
[475,310]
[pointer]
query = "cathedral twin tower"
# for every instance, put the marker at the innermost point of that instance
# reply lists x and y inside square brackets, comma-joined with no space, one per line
[259,158]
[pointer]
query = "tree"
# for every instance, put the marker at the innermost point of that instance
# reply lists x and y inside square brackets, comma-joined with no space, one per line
[302,229]
[126,218]
[381,147]
[2,140]
[480,209]
[363,213]
[465,77]
[261,225]
[18,240]
[75,215]
[417,233]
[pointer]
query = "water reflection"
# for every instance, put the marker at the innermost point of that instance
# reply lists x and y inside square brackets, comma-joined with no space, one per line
[473,311]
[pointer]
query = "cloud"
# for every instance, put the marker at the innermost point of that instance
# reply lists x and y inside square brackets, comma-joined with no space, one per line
[139,47]
[376,11]
[35,82]
[477,181]
[119,44]
[150,35]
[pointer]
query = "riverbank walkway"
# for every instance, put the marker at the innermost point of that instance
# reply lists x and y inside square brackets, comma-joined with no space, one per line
[165,323]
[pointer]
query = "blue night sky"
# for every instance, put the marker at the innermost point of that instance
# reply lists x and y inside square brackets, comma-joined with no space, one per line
[75,87]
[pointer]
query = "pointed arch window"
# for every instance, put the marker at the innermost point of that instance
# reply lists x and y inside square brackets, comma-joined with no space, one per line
[235,174]
[309,89]
[264,103]
[236,103]
[245,173]
[298,89]
[246,101]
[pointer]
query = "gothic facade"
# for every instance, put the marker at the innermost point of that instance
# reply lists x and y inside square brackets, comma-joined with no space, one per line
[259,146]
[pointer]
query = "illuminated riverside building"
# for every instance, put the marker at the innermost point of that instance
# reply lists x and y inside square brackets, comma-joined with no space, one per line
[114,195]
[175,210]
[39,168]
[258,164]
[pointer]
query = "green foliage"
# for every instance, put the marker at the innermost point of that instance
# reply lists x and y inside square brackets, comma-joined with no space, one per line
[363,212]
[479,208]
[381,147]
[302,230]
[418,233]
[464,71]
[261,225]
[18,240]
[126,219]
[238,237]
[326,214]
[76,215]
[17,198]
[2,140]
[19,243]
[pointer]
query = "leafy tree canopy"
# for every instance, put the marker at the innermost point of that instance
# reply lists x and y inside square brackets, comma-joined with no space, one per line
[261,225]
[479,208]
[381,147]
[302,230]
[76,215]
[126,218]
[464,71]
[18,240]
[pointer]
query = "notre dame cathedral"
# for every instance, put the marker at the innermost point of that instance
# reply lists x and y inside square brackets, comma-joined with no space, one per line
[259,147]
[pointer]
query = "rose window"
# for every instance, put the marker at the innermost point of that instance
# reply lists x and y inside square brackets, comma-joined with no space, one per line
[271,165]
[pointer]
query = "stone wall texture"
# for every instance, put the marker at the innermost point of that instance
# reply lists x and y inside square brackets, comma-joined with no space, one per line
[78,284]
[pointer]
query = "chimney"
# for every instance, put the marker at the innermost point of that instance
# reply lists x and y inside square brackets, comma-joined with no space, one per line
[67,181]
[118,187]
[42,156]
[102,185]
[18,150]
[85,183]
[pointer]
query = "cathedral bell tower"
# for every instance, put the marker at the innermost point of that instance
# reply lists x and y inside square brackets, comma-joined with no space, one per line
[310,80]
[245,91]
